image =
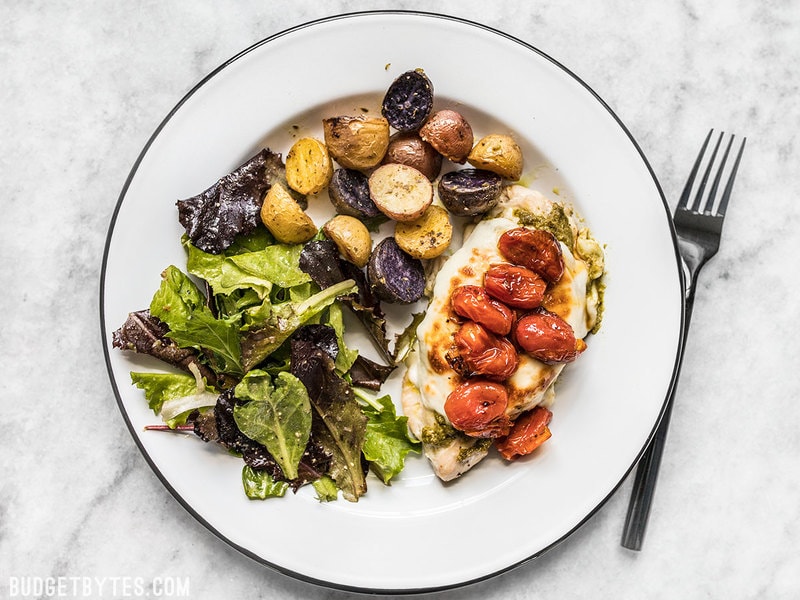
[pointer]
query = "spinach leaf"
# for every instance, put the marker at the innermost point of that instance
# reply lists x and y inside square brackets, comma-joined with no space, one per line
[276,415]
[387,441]
[259,485]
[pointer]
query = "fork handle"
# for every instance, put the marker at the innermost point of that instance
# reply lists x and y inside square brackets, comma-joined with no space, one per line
[644,484]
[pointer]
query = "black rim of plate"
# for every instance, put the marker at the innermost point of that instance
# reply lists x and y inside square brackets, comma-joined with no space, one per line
[105,338]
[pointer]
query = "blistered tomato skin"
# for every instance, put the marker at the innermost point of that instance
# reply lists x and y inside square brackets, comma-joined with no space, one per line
[547,337]
[514,286]
[484,354]
[530,431]
[472,302]
[477,408]
[535,249]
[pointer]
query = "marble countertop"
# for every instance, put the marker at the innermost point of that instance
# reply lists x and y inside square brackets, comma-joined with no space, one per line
[84,85]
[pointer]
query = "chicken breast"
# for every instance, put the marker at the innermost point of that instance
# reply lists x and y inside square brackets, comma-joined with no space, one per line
[430,378]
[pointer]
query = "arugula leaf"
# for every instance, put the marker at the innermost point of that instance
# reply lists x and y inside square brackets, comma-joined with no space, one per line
[259,485]
[221,336]
[277,416]
[387,441]
[180,304]
[285,318]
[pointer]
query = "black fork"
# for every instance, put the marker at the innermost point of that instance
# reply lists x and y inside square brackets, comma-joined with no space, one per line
[698,221]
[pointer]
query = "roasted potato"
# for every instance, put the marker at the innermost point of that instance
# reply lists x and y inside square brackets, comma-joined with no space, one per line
[450,134]
[308,166]
[470,192]
[408,101]
[284,218]
[400,192]
[499,154]
[351,237]
[393,275]
[410,149]
[426,237]
[349,194]
[356,142]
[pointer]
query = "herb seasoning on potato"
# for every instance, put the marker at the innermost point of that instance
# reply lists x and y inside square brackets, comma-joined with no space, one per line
[308,166]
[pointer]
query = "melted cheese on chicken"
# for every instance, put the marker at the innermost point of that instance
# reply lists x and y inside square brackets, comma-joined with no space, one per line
[430,379]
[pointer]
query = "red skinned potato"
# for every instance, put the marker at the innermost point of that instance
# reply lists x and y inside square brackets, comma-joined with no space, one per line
[450,134]
[410,149]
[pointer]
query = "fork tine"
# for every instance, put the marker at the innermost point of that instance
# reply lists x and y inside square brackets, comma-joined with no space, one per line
[712,194]
[683,202]
[701,188]
[726,194]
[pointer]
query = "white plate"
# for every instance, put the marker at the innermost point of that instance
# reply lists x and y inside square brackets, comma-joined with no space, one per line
[417,534]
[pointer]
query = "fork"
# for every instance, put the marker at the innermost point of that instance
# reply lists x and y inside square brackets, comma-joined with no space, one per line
[698,224]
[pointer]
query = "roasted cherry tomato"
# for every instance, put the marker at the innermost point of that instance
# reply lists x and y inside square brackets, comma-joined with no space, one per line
[515,286]
[535,249]
[529,431]
[480,352]
[472,302]
[478,408]
[547,337]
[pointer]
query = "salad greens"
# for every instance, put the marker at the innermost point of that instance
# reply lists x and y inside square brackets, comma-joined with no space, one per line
[275,414]
[258,338]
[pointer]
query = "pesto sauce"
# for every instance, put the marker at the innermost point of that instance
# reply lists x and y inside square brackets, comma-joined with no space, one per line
[556,222]
[600,289]
[438,434]
[481,445]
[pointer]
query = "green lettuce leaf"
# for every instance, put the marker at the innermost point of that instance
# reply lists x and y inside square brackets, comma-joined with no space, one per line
[159,387]
[326,489]
[387,441]
[276,414]
[174,396]
[286,318]
[339,424]
[177,298]
[346,356]
[276,264]
[180,304]
[259,485]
